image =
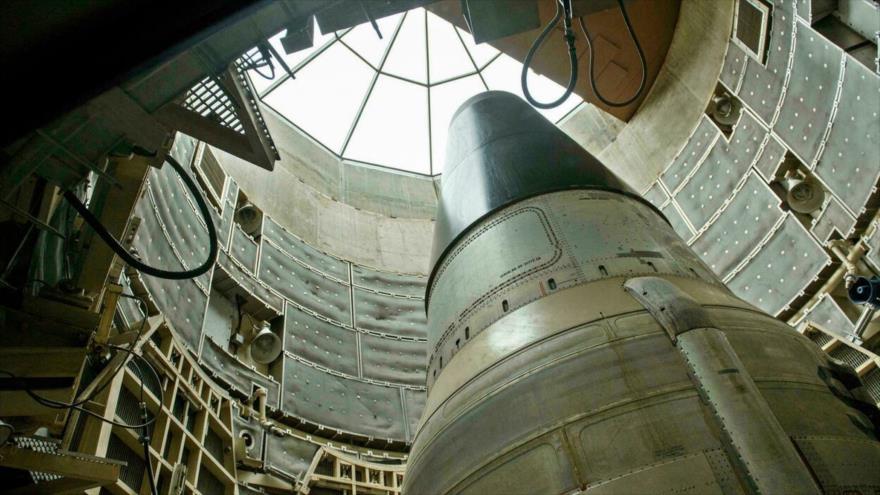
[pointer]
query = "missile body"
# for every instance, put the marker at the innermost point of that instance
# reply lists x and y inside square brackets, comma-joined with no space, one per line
[577,345]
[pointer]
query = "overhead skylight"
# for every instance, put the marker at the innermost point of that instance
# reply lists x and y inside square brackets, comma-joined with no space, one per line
[388,101]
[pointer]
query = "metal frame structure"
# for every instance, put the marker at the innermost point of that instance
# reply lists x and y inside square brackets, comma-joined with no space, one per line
[380,71]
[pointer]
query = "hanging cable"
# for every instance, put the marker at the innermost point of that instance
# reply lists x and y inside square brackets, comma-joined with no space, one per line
[137,264]
[563,12]
[591,70]
[247,62]
[77,405]
[145,436]
[130,351]
[53,404]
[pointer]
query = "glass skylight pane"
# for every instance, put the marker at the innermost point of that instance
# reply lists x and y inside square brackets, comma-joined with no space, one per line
[447,57]
[324,98]
[393,127]
[481,53]
[364,40]
[407,57]
[504,74]
[445,100]
[393,130]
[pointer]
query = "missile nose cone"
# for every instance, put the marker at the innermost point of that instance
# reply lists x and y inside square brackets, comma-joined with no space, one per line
[501,150]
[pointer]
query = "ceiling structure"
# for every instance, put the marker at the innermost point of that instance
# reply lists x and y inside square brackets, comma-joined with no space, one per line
[617,69]
[388,100]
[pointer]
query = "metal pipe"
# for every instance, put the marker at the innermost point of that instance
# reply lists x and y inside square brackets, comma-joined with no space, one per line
[259,398]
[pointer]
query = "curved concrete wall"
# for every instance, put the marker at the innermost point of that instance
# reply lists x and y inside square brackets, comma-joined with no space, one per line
[367,215]
[639,151]
[353,337]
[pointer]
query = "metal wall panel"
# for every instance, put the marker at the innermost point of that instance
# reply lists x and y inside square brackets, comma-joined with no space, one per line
[305,287]
[677,221]
[394,360]
[289,455]
[225,221]
[770,159]
[806,411]
[243,249]
[778,273]
[743,225]
[762,85]
[734,67]
[236,374]
[833,217]
[828,315]
[181,301]
[388,282]
[656,195]
[220,318]
[181,224]
[809,98]
[320,341]
[724,166]
[850,163]
[300,250]
[691,155]
[184,149]
[342,403]
[231,278]
[397,316]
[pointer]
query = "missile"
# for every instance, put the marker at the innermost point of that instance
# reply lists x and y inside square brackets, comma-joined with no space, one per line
[577,345]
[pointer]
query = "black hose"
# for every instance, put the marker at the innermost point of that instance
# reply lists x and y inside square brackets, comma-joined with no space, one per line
[73,405]
[54,404]
[145,436]
[591,71]
[120,251]
[572,58]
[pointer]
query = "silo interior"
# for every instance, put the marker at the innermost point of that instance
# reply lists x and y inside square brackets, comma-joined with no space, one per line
[277,246]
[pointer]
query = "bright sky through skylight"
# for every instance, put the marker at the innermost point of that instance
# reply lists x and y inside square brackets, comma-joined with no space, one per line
[389,101]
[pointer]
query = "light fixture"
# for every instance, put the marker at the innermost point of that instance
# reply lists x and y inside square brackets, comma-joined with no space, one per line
[265,346]
[724,110]
[804,195]
[249,218]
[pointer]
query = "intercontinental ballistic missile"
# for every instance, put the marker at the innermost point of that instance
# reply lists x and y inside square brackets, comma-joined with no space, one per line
[577,345]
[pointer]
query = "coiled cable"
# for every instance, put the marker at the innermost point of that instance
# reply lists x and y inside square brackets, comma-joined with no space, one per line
[139,265]
[591,70]
[563,12]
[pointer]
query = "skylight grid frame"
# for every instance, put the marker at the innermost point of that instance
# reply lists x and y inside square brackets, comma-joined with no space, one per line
[376,74]
[380,69]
